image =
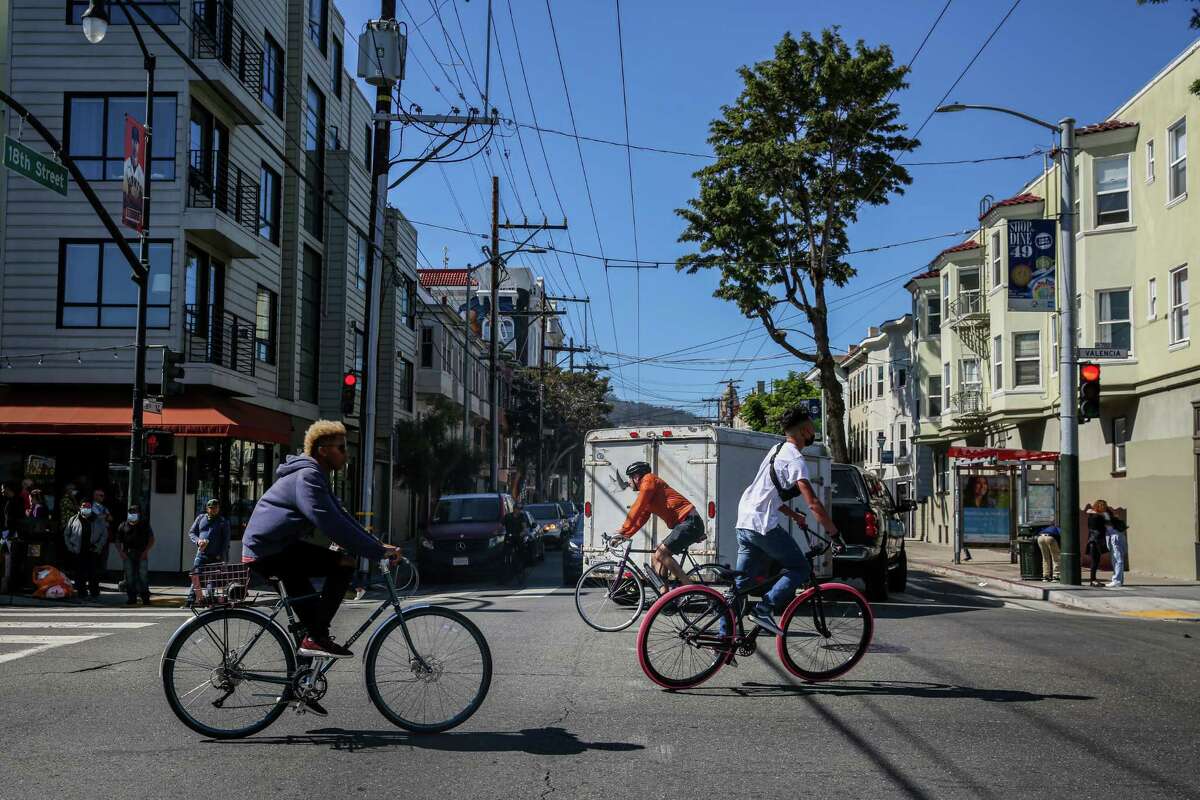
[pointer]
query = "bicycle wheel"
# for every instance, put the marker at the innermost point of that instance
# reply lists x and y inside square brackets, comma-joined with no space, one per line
[609,597]
[711,574]
[826,639]
[442,683]
[213,672]
[680,642]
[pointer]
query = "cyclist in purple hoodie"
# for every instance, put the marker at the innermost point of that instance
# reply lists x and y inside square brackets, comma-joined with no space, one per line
[302,499]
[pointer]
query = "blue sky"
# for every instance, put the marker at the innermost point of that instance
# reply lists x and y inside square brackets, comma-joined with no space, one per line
[681,58]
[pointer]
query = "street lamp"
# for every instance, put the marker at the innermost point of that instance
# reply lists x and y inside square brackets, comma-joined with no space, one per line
[95,27]
[1068,458]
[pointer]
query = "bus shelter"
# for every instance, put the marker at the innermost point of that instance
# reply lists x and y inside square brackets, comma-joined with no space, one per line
[999,491]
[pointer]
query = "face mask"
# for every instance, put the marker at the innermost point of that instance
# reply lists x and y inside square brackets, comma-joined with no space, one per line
[133,517]
[86,513]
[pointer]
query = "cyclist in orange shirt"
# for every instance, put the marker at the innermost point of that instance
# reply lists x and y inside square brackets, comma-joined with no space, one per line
[657,498]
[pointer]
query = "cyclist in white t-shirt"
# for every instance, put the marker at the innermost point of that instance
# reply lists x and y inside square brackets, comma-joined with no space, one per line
[782,476]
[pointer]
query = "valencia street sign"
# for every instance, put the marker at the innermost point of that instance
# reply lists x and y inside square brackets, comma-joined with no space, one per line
[1089,353]
[35,166]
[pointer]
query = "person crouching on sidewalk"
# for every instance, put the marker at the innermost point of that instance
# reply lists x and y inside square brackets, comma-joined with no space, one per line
[133,540]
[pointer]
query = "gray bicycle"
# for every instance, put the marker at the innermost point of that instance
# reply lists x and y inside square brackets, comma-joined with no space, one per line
[233,669]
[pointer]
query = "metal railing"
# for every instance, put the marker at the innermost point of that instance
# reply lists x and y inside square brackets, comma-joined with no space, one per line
[214,183]
[968,402]
[220,338]
[217,35]
[968,303]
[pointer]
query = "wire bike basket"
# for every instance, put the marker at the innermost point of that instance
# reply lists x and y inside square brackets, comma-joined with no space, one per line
[220,585]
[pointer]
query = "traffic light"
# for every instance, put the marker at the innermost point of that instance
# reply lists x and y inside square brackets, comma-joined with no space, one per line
[349,385]
[171,374]
[159,444]
[1089,391]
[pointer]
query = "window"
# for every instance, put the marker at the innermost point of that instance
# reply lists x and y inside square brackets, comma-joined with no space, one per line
[360,270]
[1150,161]
[1152,299]
[335,64]
[95,290]
[1054,323]
[996,257]
[997,363]
[406,384]
[314,119]
[367,145]
[933,316]
[901,377]
[902,441]
[1078,192]
[272,76]
[407,300]
[314,144]
[1112,319]
[95,127]
[265,326]
[318,22]
[1027,367]
[945,294]
[1179,305]
[1112,189]
[1177,158]
[314,211]
[360,350]
[426,348]
[879,381]
[164,12]
[268,204]
[1118,444]
[310,324]
[969,374]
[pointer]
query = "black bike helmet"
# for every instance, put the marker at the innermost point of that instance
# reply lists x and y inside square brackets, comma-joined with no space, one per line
[637,468]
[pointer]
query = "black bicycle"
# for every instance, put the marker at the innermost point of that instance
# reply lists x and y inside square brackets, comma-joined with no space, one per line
[233,669]
[610,595]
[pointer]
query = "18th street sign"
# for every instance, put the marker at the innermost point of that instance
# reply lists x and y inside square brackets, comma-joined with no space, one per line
[35,166]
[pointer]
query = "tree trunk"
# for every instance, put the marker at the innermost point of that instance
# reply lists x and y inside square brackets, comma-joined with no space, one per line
[835,410]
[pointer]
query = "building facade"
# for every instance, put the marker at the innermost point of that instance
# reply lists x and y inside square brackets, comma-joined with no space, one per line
[260,173]
[997,371]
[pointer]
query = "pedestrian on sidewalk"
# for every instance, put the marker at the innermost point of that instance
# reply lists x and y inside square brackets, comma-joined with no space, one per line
[1049,541]
[134,540]
[1118,548]
[210,534]
[86,538]
[1097,516]
[65,510]
[37,526]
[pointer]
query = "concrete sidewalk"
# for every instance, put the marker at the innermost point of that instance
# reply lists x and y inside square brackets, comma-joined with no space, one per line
[1144,597]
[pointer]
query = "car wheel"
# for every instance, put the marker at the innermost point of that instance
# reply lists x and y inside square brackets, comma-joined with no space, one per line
[898,575]
[877,580]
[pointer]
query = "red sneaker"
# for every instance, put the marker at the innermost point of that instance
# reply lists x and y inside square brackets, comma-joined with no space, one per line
[323,647]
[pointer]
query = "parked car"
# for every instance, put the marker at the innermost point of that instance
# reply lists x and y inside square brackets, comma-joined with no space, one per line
[552,519]
[466,534]
[532,539]
[872,525]
[572,560]
[576,512]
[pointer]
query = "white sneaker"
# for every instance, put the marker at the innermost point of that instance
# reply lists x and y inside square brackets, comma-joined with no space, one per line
[1113,585]
[360,593]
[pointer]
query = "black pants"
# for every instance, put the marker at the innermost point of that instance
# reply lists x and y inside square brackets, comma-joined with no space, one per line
[1094,552]
[295,566]
[87,574]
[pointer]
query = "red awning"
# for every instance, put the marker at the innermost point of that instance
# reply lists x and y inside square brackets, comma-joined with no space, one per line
[28,413]
[1001,454]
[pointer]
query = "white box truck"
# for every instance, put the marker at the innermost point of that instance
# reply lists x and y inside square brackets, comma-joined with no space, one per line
[709,465]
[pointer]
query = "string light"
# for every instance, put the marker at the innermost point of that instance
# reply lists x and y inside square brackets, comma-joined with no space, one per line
[78,358]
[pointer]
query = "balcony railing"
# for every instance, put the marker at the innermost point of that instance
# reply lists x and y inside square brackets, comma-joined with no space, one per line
[222,339]
[968,402]
[217,35]
[969,303]
[213,183]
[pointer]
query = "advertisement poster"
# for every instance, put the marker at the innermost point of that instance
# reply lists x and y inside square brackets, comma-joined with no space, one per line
[135,174]
[986,509]
[1032,259]
[40,469]
[815,409]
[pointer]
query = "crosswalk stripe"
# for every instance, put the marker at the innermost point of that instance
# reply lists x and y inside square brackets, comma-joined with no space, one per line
[41,644]
[30,624]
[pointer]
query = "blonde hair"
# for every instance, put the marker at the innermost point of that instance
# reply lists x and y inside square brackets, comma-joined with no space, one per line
[321,429]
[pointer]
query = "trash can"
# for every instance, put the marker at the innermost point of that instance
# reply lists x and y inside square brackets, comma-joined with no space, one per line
[1030,555]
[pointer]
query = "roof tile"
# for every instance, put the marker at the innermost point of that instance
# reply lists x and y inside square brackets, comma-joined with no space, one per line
[1019,200]
[445,277]
[1101,127]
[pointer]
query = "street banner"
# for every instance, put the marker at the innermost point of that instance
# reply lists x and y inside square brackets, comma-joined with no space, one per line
[134,181]
[816,409]
[1032,259]
[986,508]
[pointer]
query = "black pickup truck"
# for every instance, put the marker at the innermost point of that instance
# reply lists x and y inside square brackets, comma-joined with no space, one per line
[872,525]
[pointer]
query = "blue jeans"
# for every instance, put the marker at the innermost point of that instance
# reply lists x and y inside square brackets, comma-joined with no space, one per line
[756,550]
[1116,549]
[137,577]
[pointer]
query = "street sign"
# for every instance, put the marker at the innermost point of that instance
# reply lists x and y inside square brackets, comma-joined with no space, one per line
[154,406]
[1090,353]
[35,166]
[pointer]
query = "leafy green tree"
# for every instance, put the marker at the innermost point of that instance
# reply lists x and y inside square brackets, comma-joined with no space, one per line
[812,137]
[763,411]
[431,457]
[1194,24]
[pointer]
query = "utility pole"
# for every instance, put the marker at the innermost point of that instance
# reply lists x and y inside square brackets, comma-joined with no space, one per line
[1068,457]
[730,400]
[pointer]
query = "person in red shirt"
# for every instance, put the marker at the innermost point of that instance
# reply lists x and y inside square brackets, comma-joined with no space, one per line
[657,498]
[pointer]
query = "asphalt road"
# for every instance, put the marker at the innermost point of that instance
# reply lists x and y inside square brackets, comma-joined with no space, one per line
[963,695]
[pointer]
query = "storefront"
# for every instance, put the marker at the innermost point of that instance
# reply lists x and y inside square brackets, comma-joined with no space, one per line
[224,448]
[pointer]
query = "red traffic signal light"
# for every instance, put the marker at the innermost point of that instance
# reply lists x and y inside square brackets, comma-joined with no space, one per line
[349,387]
[1089,372]
[350,379]
[158,444]
[1089,391]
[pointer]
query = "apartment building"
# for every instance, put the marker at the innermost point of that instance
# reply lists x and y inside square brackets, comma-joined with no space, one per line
[441,366]
[260,177]
[989,376]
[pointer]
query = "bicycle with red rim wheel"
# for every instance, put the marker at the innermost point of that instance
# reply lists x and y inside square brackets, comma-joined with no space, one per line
[693,631]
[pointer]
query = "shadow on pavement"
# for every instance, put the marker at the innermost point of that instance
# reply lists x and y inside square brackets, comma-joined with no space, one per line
[535,741]
[918,689]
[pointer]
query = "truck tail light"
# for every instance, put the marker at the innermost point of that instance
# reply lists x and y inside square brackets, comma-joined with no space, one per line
[712,509]
[871,528]
[587,509]
[633,434]
[666,434]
